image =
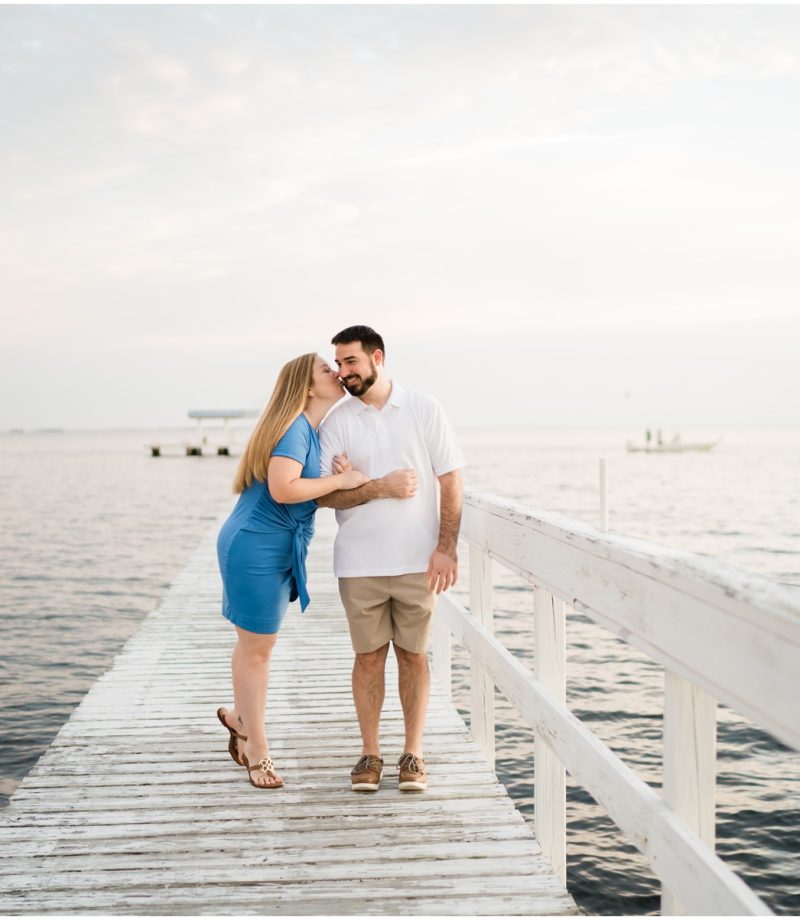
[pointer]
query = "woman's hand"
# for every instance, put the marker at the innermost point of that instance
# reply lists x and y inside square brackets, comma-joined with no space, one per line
[341,463]
[351,479]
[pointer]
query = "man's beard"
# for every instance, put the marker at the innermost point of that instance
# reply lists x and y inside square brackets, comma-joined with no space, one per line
[360,387]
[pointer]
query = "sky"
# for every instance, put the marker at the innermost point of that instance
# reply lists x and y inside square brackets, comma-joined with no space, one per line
[577,215]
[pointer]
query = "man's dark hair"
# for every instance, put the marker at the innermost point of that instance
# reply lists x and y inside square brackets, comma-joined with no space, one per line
[369,338]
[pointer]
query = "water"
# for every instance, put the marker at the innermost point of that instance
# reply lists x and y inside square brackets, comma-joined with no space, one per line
[94,530]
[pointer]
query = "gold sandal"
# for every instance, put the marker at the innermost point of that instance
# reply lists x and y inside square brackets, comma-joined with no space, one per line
[235,737]
[265,766]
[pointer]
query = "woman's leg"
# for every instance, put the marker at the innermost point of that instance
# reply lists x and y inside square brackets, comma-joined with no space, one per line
[232,716]
[250,666]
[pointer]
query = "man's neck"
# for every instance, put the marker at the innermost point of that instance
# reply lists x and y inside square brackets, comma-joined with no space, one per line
[378,394]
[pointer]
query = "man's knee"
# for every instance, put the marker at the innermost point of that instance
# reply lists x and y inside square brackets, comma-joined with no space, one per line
[371,661]
[406,659]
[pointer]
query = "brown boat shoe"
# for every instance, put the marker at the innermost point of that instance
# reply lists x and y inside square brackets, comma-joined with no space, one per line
[413,776]
[366,774]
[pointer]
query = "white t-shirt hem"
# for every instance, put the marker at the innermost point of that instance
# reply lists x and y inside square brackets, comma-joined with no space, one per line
[449,469]
[402,570]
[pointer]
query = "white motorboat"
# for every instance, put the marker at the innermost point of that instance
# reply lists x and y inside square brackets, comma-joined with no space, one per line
[673,446]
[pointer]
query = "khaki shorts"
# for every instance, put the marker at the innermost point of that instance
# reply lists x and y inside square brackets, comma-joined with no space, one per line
[383,608]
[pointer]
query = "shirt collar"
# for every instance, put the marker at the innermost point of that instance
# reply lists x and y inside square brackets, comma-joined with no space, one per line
[398,395]
[397,398]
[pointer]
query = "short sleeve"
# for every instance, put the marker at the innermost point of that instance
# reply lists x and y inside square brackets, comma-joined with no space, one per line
[296,443]
[330,444]
[440,440]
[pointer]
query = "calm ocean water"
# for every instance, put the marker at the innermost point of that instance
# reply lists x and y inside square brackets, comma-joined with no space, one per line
[94,530]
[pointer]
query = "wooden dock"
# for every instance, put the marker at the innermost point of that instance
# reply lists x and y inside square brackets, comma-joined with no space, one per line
[137,808]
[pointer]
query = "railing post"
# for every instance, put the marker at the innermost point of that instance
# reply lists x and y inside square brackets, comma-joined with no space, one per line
[603,495]
[442,656]
[690,751]
[481,685]
[550,778]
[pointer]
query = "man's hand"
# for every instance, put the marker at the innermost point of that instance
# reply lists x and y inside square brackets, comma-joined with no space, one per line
[400,484]
[442,571]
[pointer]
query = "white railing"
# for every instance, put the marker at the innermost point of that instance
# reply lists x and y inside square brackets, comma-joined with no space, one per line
[721,634]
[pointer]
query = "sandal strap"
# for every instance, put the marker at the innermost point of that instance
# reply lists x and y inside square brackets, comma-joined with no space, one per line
[231,730]
[265,765]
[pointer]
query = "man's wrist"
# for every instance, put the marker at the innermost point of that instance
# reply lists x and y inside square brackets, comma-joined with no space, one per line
[449,549]
[379,487]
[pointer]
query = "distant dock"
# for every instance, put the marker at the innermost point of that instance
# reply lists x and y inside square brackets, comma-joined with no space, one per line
[195,448]
[137,808]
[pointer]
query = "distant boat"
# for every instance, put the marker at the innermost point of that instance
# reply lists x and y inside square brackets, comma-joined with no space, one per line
[675,446]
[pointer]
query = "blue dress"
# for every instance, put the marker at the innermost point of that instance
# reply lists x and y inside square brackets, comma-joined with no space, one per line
[262,546]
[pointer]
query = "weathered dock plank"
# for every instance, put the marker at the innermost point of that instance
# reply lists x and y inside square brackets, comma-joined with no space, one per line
[137,808]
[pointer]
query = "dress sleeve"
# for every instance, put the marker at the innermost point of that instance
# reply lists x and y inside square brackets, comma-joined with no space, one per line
[296,443]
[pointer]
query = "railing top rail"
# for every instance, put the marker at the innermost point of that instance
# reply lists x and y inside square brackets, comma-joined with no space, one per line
[734,633]
[778,601]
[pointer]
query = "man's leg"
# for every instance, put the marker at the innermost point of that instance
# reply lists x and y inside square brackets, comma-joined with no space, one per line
[414,683]
[369,687]
[366,602]
[412,611]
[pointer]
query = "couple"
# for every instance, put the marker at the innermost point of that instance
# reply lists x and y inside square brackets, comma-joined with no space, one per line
[376,459]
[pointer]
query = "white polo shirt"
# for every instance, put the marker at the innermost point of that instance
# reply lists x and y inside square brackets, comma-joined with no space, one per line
[390,536]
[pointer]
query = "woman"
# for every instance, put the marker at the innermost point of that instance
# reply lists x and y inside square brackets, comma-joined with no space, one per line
[262,546]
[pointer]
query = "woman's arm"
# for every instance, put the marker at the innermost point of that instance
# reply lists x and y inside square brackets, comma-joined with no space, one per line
[287,485]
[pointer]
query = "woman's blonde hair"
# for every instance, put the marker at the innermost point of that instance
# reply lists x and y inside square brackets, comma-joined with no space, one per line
[288,400]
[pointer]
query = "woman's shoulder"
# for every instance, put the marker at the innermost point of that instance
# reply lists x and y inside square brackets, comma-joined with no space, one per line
[300,425]
[299,428]
[296,440]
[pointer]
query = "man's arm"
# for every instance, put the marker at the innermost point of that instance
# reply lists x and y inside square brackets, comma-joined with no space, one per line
[397,484]
[343,499]
[443,567]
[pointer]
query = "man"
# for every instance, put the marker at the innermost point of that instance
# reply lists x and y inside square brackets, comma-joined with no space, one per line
[396,545]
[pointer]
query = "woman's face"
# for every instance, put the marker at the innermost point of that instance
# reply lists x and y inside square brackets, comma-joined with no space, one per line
[325,381]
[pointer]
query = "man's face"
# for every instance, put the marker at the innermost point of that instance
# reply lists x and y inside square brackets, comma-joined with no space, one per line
[357,370]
